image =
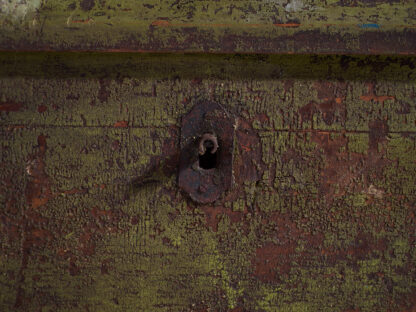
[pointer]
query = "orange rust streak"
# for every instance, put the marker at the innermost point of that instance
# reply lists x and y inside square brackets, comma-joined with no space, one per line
[160,23]
[246,148]
[287,25]
[376,98]
[10,128]
[121,124]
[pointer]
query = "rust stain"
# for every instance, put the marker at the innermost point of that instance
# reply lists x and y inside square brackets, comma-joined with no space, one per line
[162,23]
[332,102]
[249,142]
[378,134]
[100,186]
[293,25]
[213,215]
[272,260]
[96,213]
[14,127]
[121,124]
[87,242]
[337,169]
[10,106]
[363,245]
[38,190]
[42,108]
[98,224]
[371,96]
[376,98]
[38,193]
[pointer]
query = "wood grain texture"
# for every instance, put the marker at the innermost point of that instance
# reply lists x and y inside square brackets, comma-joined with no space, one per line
[321,216]
[244,26]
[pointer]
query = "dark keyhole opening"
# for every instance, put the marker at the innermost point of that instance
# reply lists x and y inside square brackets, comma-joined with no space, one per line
[208,160]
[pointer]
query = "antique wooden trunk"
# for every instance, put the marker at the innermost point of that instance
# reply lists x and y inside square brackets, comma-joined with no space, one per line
[305,200]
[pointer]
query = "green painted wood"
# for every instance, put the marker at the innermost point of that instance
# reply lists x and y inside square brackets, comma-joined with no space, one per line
[321,216]
[263,26]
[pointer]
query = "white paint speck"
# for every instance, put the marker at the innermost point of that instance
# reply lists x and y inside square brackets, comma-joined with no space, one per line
[372,190]
[18,9]
[294,6]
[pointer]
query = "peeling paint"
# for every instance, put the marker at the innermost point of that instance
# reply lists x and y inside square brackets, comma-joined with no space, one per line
[321,216]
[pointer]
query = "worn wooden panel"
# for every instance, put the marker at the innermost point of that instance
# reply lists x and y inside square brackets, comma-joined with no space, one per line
[267,26]
[321,215]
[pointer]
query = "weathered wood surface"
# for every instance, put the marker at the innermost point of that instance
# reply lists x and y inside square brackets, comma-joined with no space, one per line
[267,26]
[321,216]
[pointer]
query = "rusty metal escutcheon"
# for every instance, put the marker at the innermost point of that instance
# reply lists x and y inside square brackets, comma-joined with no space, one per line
[207,141]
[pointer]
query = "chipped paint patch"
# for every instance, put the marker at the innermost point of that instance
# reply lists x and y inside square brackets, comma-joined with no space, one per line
[377,26]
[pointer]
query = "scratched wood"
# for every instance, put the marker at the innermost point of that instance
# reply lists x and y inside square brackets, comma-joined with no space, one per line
[321,216]
[267,26]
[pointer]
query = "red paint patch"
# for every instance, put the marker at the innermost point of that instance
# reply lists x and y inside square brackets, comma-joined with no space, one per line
[10,107]
[121,124]
[42,108]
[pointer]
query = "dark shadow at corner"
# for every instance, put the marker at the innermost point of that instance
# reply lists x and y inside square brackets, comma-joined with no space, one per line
[96,65]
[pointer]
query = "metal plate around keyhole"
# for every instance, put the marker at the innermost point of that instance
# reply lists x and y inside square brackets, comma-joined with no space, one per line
[207,128]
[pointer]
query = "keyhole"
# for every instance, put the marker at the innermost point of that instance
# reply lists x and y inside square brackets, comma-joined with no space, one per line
[208,148]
